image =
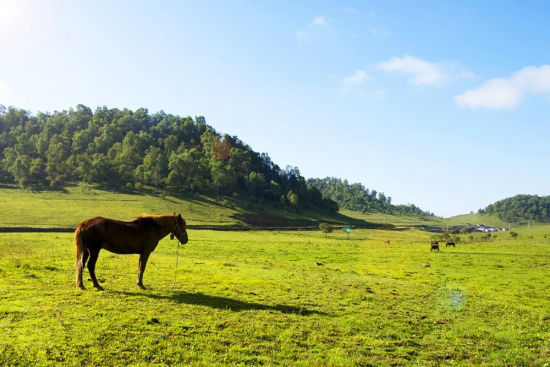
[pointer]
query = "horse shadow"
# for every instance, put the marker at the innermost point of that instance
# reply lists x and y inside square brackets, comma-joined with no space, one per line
[223,303]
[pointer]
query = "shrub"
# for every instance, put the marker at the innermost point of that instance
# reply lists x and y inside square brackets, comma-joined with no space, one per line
[325,228]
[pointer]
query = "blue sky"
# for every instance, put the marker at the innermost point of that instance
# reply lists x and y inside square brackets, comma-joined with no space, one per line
[443,104]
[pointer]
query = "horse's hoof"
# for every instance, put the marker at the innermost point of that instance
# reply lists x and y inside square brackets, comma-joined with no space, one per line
[141,286]
[81,287]
[99,288]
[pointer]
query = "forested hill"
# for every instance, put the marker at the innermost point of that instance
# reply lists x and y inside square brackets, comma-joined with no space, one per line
[357,197]
[521,207]
[130,149]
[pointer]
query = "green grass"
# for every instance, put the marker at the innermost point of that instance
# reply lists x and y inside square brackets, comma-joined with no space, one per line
[67,209]
[475,218]
[251,298]
[458,220]
[397,220]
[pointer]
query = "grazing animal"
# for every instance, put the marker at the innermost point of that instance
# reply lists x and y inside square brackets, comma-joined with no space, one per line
[387,242]
[138,237]
[530,237]
[450,244]
[434,246]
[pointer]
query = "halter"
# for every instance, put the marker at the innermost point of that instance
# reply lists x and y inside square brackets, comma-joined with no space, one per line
[178,232]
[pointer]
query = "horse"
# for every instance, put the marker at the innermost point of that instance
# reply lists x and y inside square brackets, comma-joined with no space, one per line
[434,246]
[386,242]
[138,237]
[450,244]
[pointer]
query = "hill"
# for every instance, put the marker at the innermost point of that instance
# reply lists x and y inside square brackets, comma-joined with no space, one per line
[23,208]
[130,150]
[521,208]
[477,218]
[358,198]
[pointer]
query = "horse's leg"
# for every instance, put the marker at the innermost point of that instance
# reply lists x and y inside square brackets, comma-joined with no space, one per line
[94,253]
[79,269]
[141,268]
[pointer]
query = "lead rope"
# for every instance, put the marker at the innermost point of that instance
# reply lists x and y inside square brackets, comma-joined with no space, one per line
[177,257]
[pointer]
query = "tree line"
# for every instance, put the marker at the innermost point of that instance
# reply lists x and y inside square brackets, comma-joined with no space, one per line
[358,198]
[135,149]
[520,207]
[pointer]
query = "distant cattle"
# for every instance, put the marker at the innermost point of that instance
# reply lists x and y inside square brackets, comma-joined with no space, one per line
[450,244]
[386,242]
[434,246]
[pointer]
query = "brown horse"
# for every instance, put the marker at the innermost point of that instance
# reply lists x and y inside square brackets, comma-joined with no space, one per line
[138,237]
[434,246]
[386,242]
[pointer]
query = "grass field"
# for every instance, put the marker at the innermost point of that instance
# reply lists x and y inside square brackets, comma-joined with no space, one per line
[67,209]
[258,298]
[476,218]
[397,220]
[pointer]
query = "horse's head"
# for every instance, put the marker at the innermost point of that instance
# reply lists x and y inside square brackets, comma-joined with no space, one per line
[179,230]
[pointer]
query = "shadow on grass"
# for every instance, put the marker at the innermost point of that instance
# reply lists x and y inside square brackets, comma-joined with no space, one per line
[222,303]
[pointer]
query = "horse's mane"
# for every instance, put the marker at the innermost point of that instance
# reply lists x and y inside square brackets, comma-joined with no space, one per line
[155,220]
[154,216]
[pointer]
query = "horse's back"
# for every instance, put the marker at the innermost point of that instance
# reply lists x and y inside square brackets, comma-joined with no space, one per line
[119,236]
[112,225]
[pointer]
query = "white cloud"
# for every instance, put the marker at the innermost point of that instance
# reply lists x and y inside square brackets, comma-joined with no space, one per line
[495,93]
[301,35]
[350,11]
[319,21]
[424,72]
[354,81]
[379,32]
[507,93]
[320,25]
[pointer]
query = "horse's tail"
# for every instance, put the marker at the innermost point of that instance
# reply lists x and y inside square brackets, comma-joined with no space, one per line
[79,245]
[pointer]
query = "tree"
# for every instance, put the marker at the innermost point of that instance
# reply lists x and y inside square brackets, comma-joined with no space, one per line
[20,169]
[357,197]
[153,169]
[325,228]
[221,149]
[122,148]
[256,183]
[292,198]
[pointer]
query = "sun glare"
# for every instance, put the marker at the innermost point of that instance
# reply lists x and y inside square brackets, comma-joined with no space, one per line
[17,19]
[10,12]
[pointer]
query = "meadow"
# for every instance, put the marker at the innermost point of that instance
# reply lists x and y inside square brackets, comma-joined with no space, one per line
[280,298]
[23,208]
